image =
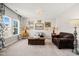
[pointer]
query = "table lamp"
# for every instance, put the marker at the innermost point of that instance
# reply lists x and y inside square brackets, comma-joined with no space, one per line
[75,23]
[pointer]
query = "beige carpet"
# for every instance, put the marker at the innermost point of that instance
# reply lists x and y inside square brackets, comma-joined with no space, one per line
[21,48]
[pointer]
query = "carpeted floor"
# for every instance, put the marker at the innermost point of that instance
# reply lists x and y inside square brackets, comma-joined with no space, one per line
[21,48]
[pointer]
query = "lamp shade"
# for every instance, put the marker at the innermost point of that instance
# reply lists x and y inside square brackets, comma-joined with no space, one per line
[75,22]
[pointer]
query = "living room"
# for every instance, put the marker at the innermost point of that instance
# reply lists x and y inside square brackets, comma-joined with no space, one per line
[39,29]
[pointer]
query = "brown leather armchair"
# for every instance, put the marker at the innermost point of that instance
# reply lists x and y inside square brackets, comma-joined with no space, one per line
[63,40]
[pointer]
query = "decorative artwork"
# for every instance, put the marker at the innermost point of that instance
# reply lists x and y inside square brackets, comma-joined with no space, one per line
[39,21]
[47,24]
[31,24]
[39,26]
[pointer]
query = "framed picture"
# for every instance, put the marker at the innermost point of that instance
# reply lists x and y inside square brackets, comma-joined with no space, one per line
[31,24]
[39,26]
[47,24]
[39,21]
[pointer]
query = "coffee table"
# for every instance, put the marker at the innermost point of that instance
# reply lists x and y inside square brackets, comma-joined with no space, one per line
[36,41]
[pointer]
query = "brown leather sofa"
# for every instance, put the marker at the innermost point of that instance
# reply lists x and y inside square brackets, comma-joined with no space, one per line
[63,40]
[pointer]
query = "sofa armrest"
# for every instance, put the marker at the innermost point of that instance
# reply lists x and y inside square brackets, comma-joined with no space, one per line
[63,42]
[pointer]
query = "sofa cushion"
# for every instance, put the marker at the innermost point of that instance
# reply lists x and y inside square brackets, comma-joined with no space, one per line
[66,36]
[62,34]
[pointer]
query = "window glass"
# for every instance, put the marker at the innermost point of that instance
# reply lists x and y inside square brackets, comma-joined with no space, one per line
[15,27]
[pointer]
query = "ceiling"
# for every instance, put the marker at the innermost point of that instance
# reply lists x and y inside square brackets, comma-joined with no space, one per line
[45,10]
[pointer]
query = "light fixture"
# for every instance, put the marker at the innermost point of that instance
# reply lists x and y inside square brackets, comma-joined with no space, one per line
[55,29]
[39,12]
[75,23]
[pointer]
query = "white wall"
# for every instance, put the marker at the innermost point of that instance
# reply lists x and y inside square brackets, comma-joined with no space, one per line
[63,21]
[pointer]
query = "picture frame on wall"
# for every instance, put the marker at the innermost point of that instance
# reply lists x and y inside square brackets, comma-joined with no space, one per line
[47,24]
[31,24]
[39,26]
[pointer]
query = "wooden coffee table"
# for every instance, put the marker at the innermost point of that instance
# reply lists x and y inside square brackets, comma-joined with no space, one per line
[36,41]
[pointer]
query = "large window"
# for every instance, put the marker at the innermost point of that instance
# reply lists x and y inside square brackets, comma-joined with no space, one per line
[15,26]
[11,24]
[6,20]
